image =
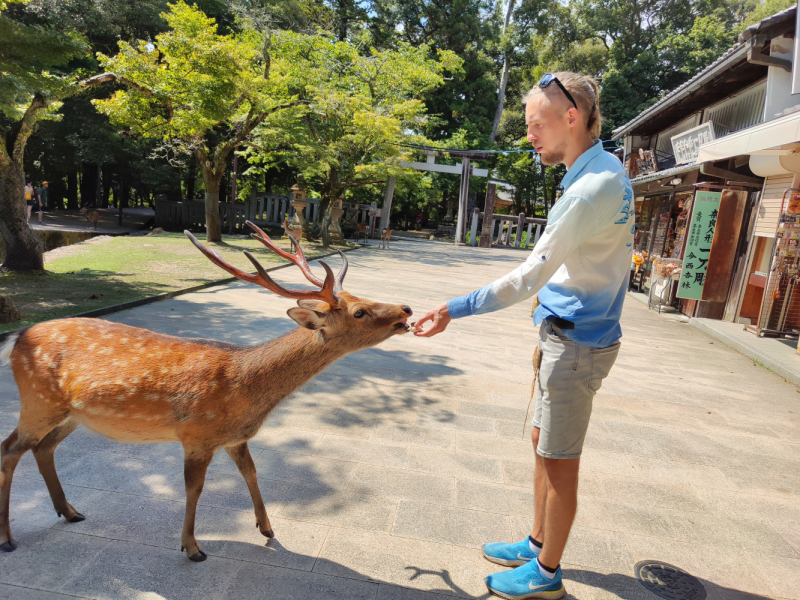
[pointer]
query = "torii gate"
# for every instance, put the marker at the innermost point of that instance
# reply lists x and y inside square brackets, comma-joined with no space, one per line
[464,168]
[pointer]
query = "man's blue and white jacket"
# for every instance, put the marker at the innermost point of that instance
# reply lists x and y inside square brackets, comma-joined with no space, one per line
[581,263]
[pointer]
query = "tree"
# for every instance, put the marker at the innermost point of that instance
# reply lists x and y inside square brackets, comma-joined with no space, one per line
[358,109]
[34,64]
[199,92]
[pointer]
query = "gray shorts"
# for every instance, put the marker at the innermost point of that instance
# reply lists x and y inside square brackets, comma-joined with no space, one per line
[569,376]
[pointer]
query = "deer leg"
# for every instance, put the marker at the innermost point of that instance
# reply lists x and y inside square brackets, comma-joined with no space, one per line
[241,456]
[194,472]
[11,450]
[43,453]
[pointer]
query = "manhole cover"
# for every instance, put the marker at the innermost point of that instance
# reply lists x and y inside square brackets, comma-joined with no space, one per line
[668,581]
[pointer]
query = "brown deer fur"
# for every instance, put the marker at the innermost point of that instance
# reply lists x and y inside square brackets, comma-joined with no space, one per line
[133,385]
[386,235]
[92,216]
[362,229]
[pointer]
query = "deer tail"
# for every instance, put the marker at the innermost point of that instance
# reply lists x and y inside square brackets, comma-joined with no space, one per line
[8,347]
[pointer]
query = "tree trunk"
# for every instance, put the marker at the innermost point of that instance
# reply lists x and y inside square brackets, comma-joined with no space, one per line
[72,190]
[23,248]
[501,93]
[105,183]
[89,180]
[213,221]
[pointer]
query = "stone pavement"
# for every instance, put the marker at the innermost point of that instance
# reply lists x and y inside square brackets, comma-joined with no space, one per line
[385,475]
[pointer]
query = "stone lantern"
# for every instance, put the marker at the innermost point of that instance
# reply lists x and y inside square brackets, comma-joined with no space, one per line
[298,225]
[334,229]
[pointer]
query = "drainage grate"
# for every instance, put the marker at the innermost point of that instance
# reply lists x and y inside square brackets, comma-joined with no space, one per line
[668,581]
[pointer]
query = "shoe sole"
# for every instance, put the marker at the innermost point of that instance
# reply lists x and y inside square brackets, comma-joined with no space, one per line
[505,563]
[555,595]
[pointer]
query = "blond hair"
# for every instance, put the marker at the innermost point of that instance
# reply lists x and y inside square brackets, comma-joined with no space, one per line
[585,92]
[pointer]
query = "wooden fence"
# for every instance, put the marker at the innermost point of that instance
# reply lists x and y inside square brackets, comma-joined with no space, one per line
[506,230]
[265,210]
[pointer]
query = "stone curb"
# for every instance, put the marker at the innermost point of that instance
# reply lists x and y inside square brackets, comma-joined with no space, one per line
[107,310]
[750,352]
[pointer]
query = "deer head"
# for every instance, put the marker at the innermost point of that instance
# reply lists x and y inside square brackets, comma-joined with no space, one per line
[332,312]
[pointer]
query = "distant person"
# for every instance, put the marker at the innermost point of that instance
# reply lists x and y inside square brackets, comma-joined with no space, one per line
[42,194]
[29,198]
[579,268]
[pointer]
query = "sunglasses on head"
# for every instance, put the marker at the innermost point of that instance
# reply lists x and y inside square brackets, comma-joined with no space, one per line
[550,78]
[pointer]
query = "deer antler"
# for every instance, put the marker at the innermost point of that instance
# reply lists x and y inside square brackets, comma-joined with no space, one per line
[262,278]
[298,258]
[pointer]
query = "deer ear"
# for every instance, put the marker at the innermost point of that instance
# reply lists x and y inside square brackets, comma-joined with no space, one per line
[305,317]
[315,305]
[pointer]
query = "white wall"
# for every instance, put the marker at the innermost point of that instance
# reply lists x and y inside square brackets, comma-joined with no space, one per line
[779,81]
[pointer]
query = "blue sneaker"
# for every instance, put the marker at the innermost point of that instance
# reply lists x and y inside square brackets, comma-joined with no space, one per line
[509,555]
[526,582]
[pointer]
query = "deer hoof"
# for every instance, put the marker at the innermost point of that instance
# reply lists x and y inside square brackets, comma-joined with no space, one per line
[9,546]
[77,518]
[198,556]
[268,533]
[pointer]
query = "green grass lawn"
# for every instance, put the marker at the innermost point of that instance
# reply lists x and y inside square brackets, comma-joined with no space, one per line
[101,273]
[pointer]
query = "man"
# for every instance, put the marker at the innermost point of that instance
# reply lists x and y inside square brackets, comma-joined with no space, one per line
[579,268]
[42,192]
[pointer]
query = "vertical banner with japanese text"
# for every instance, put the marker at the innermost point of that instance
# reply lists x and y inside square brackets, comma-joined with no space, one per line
[698,244]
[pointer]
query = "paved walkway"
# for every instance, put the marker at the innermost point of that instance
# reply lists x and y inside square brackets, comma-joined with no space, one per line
[385,474]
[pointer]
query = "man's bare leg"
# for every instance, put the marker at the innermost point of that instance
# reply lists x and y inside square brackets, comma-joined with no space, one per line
[561,506]
[539,491]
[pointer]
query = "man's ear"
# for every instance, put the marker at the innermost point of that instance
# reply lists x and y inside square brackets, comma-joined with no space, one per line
[310,319]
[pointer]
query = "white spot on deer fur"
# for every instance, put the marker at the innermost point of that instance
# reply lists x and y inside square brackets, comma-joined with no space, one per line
[53,365]
[46,357]
[40,396]
[134,380]
[77,404]
[92,346]
[152,397]
[37,352]
[210,416]
[62,339]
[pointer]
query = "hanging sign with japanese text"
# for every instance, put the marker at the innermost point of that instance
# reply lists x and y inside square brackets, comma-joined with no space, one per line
[698,244]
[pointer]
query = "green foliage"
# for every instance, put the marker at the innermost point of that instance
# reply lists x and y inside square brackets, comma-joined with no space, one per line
[359,107]
[33,60]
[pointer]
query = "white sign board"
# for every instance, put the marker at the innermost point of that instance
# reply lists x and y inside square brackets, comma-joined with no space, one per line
[796,62]
[686,145]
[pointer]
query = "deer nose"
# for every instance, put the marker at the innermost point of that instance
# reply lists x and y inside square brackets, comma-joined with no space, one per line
[407,310]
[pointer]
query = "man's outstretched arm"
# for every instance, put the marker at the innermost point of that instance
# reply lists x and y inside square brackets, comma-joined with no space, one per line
[562,236]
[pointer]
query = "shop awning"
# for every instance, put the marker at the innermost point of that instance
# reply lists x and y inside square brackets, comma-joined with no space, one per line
[662,174]
[758,139]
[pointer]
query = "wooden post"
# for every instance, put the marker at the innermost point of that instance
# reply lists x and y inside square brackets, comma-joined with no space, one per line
[488,217]
[520,227]
[463,200]
[528,239]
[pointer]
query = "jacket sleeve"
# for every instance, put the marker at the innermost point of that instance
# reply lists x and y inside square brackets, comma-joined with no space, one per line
[573,225]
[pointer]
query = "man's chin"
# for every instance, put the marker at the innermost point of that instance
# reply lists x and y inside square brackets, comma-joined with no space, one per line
[551,159]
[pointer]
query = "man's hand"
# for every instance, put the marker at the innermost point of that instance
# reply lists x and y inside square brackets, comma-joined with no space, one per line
[440,319]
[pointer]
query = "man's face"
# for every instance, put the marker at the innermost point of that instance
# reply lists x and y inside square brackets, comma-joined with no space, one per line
[548,128]
[46,185]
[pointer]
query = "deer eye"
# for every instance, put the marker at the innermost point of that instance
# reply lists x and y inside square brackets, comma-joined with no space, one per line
[359,313]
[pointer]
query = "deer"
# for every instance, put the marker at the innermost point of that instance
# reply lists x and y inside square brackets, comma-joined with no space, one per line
[361,229]
[92,216]
[386,235]
[137,386]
